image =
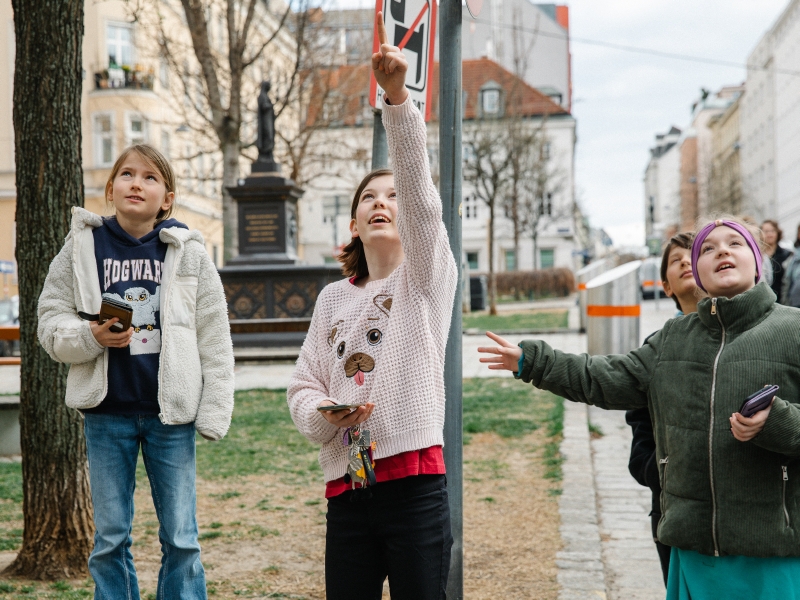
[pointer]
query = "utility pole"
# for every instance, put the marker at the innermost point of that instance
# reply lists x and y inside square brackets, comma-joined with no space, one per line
[450,190]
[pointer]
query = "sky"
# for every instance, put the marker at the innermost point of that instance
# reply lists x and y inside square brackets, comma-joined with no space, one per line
[621,100]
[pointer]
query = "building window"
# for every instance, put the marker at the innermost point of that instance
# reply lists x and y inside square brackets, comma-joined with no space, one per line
[547,258]
[470,207]
[103,139]
[490,101]
[119,44]
[472,260]
[165,142]
[136,130]
[163,73]
[547,207]
[511,260]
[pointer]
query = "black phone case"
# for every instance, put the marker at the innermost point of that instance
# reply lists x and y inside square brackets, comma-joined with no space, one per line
[758,401]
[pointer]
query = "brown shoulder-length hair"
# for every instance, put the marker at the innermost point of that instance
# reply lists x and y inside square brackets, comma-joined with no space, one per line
[352,257]
[155,159]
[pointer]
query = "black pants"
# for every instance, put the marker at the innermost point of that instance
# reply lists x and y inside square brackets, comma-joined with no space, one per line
[399,529]
[663,551]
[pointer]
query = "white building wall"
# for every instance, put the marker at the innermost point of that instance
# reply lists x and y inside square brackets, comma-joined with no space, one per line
[770,125]
[544,58]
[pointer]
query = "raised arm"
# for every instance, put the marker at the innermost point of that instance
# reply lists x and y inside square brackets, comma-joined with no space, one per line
[428,258]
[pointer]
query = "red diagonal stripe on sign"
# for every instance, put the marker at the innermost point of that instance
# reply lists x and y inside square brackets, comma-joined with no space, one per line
[411,29]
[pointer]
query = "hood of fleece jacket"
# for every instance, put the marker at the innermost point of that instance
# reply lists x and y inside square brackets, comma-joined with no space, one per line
[175,235]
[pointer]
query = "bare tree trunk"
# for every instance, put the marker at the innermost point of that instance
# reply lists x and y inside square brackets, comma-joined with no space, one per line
[230,177]
[492,281]
[47,127]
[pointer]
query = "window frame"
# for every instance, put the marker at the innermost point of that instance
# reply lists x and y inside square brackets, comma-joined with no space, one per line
[131,137]
[99,136]
[131,43]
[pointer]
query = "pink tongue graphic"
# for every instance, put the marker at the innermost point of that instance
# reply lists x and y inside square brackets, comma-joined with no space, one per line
[359,377]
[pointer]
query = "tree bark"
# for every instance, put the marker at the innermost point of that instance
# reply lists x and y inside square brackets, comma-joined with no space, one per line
[56,505]
[230,220]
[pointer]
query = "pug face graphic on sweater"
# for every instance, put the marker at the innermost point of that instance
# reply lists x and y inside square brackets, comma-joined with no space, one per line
[356,349]
[146,338]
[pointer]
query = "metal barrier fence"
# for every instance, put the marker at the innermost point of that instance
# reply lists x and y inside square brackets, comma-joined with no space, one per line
[583,276]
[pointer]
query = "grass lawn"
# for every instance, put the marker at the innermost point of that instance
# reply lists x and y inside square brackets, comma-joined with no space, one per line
[261,508]
[541,319]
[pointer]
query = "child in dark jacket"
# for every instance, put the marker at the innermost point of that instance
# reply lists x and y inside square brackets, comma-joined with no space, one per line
[679,284]
[730,483]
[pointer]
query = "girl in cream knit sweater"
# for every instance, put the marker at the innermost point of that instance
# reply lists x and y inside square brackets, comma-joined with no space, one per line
[377,342]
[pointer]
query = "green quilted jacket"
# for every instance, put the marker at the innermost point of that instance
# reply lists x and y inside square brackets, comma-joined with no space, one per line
[719,496]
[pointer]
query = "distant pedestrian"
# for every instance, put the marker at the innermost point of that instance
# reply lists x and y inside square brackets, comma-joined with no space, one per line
[777,255]
[679,284]
[730,487]
[150,387]
[370,373]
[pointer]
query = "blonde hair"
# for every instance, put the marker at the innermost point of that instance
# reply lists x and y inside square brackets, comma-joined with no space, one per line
[158,161]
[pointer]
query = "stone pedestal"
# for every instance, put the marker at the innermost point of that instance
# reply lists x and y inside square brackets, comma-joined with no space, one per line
[271,296]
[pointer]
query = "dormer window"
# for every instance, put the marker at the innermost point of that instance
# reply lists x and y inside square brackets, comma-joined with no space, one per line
[491,100]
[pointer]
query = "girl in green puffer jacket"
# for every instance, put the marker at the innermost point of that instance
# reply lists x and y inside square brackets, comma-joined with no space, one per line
[730,484]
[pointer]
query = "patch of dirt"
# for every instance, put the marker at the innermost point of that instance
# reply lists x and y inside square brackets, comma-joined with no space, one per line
[263,537]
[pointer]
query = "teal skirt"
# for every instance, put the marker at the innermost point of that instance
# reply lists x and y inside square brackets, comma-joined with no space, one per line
[695,576]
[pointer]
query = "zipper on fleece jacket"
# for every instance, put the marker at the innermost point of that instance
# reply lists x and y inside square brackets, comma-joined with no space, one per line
[785,470]
[711,432]
[164,330]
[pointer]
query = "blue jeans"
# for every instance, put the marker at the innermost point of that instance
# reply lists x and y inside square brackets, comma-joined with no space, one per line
[112,442]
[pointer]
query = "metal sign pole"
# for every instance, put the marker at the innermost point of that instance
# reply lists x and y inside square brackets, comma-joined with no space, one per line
[380,147]
[450,190]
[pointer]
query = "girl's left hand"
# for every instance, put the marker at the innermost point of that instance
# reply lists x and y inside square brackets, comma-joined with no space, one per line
[389,66]
[745,429]
[505,356]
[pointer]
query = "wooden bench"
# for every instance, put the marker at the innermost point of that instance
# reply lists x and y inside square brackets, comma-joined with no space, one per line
[9,333]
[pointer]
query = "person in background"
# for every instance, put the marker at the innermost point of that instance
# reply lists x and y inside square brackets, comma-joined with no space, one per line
[679,284]
[777,255]
[791,281]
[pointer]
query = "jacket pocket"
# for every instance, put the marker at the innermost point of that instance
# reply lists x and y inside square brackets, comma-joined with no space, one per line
[785,477]
[67,345]
[183,302]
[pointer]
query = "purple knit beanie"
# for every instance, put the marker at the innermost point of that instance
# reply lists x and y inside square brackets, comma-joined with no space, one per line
[703,234]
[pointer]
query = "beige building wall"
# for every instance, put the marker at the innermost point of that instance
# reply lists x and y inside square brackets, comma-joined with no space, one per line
[141,109]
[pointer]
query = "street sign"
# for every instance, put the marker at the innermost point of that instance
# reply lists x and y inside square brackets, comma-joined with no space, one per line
[411,26]
[6,266]
[474,7]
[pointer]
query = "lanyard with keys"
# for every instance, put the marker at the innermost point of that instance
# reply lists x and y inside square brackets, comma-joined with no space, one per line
[359,456]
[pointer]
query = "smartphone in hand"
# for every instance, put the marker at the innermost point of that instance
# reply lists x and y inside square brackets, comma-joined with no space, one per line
[335,407]
[758,400]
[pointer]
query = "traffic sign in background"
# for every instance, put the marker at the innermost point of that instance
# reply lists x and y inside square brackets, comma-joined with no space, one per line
[411,26]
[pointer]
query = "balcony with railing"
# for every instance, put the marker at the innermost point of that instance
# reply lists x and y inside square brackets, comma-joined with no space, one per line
[124,77]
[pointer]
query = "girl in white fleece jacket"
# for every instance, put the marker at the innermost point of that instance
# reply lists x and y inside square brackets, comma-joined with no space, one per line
[152,386]
[377,342]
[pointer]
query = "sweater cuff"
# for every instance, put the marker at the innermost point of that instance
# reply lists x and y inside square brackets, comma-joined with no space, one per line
[397,113]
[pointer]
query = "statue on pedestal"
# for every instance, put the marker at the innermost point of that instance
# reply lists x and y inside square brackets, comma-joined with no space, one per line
[266,132]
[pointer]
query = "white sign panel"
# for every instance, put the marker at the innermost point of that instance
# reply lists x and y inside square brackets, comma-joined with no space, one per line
[411,26]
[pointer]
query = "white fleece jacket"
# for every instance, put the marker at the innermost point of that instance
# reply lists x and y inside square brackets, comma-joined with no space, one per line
[385,343]
[195,375]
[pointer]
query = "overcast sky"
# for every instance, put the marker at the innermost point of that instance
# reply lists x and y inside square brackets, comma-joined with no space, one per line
[622,99]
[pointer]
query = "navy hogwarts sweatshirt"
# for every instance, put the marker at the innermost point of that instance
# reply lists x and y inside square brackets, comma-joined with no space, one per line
[130,271]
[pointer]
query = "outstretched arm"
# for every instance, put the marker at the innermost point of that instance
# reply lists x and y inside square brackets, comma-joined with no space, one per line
[430,263]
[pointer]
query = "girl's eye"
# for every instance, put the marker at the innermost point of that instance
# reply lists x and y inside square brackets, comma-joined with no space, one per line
[340,350]
[374,337]
[705,249]
[736,243]
[125,174]
[366,197]
[153,177]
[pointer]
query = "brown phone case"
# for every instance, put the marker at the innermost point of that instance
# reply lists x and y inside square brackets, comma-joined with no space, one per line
[112,308]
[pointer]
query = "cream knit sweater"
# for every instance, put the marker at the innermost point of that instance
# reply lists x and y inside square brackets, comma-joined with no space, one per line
[397,325]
